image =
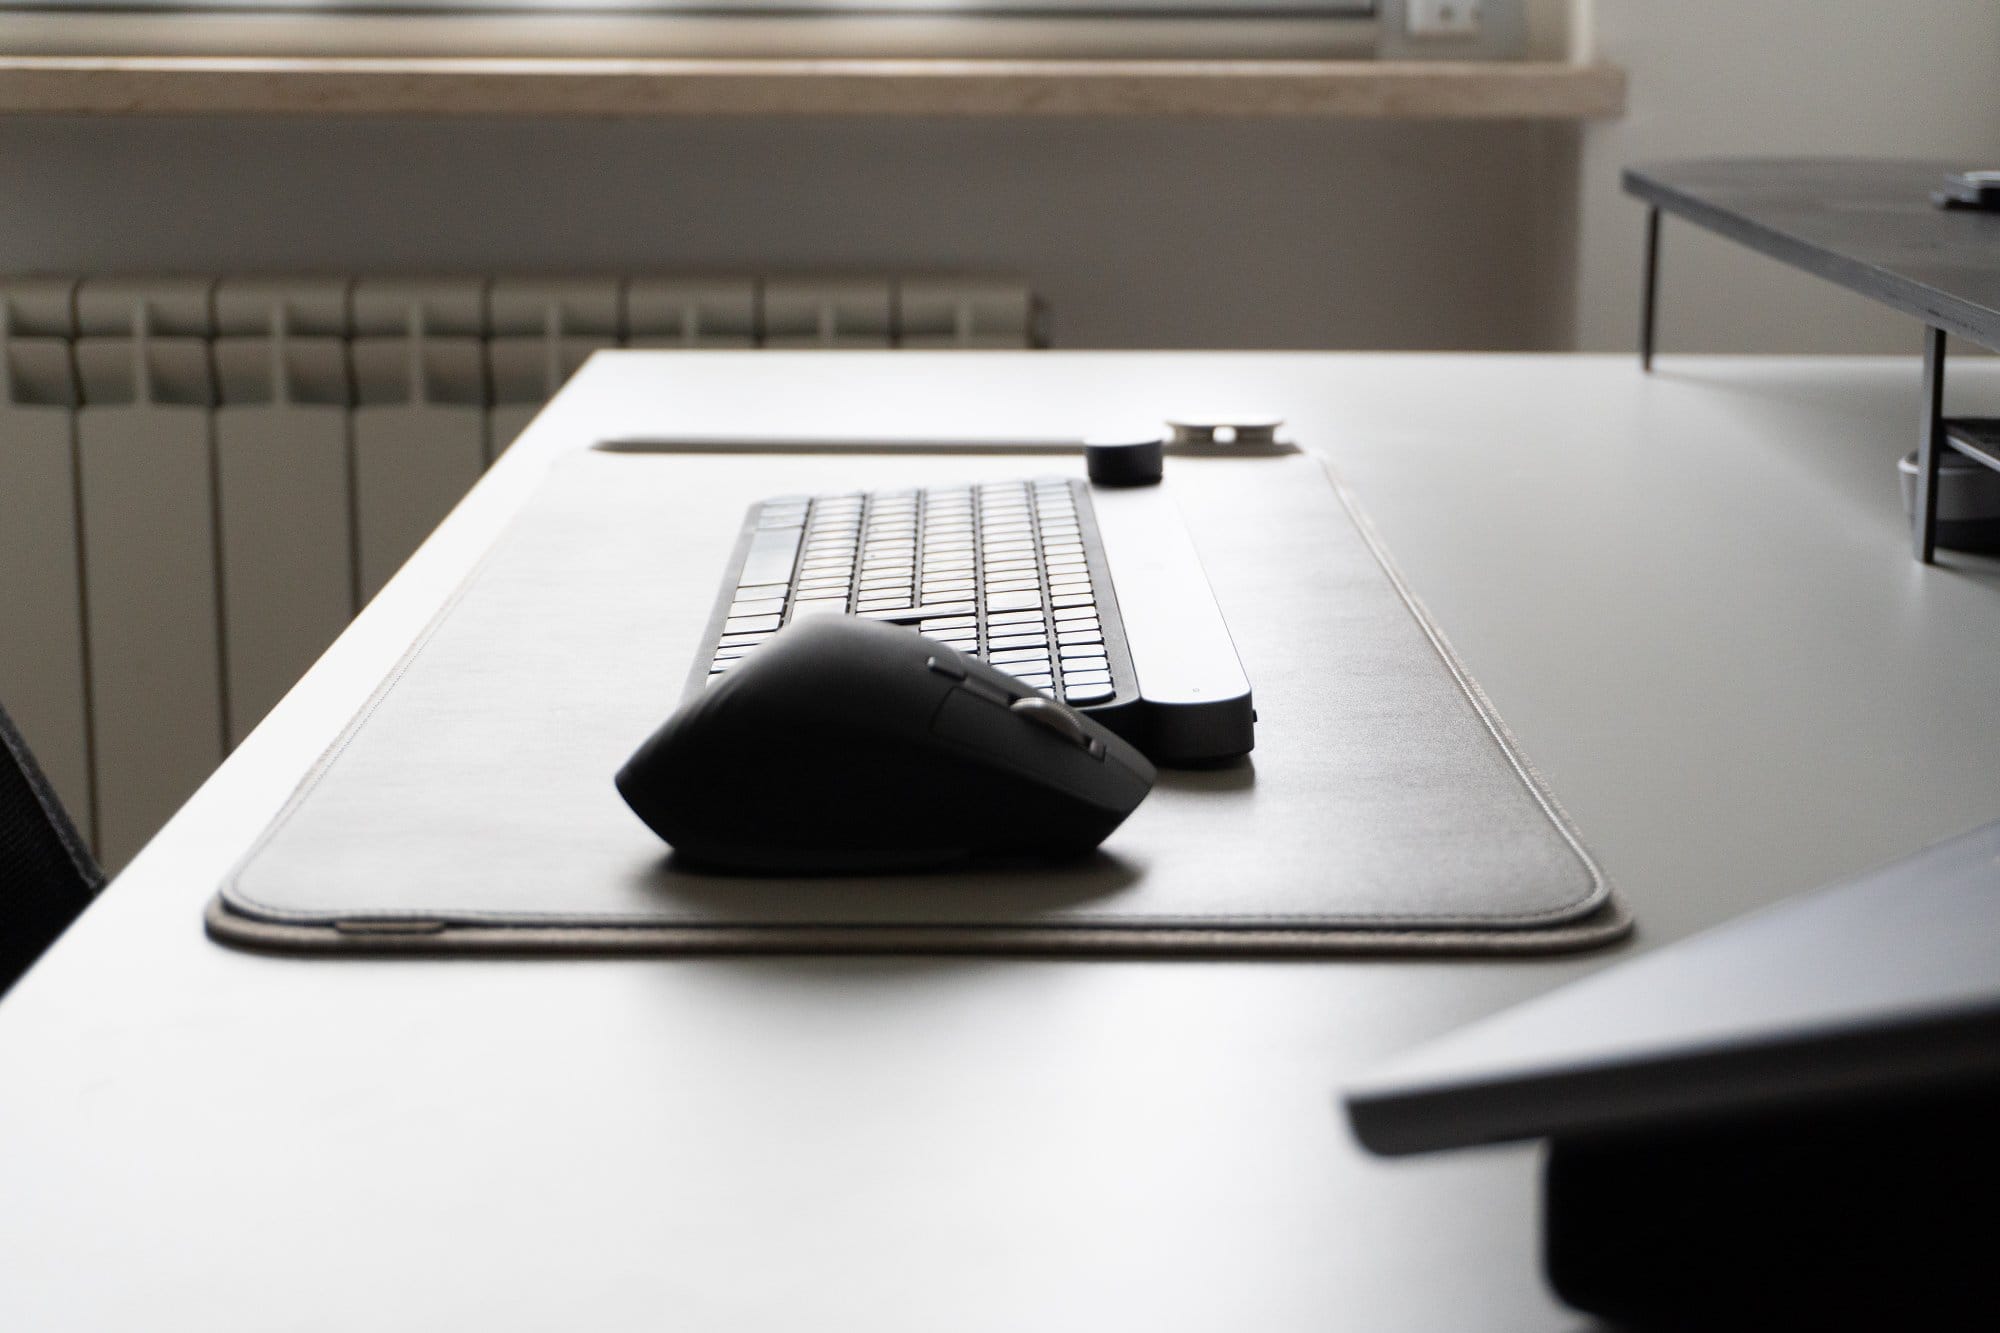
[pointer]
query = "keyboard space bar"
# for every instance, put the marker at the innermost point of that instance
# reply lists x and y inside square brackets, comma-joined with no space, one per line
[1197,699]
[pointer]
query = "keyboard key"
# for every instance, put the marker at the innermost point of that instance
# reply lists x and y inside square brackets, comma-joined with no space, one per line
[745,624]
[1040,680]
[913,614]
[760,590]
[950,622]
[1094,692]
[1073,600]
[1018,641]
[1087,678]
[773,553]
[759,607]
[802,609]
[1013,601]
[989,647]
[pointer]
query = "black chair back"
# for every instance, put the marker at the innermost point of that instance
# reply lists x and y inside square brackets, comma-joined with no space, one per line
[47,875]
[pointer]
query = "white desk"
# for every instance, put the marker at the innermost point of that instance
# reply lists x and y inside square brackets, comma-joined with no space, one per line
[1688,593]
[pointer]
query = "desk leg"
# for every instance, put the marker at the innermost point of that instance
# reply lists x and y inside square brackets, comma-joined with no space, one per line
[1930,446]
[1651,290]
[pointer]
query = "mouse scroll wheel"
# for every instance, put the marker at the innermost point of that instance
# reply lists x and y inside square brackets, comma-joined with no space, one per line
[1060,720]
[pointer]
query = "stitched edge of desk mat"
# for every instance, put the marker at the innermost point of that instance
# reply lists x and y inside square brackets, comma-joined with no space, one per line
[1596,918]
[1607,925]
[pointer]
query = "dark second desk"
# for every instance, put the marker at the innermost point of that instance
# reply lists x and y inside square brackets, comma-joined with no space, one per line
[1681,590]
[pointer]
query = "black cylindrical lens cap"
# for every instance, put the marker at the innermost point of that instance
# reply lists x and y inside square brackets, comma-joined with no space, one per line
[1124,462]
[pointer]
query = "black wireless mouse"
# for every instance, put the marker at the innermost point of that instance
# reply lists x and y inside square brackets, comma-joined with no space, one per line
[846,746]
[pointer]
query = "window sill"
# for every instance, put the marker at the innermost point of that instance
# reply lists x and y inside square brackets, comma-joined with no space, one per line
[458,86]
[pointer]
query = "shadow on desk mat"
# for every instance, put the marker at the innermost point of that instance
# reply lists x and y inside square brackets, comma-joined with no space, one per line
[469,806]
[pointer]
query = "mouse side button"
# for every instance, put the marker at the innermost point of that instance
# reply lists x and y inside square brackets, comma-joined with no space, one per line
[1010,742]
[1064,723]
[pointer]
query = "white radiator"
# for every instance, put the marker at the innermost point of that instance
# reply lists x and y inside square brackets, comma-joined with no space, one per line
[202,479]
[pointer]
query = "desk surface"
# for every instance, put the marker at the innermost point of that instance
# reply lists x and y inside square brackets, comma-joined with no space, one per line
[1683,591]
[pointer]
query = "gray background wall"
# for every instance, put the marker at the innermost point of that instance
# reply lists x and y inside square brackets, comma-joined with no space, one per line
[1264,234]
[1865,78]
[1152,234]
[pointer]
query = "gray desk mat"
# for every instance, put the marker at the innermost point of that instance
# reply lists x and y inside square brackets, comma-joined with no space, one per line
[470,806]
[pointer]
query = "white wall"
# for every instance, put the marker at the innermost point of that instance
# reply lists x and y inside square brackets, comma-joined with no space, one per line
[1861,78]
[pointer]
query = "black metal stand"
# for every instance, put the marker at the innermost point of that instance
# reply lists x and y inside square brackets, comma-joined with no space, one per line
[1646,301]
[1934,431]
[1930,444]
[1851,223]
